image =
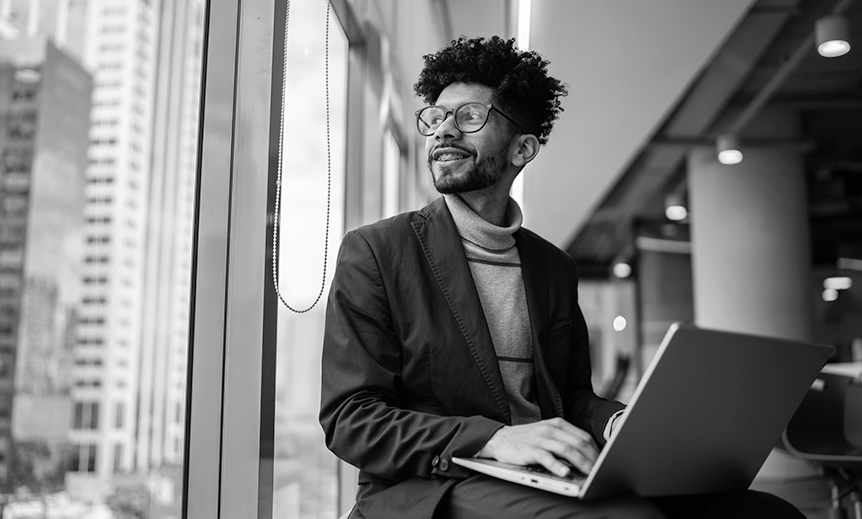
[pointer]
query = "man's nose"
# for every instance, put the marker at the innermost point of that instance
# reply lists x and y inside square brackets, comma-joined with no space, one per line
[447,129]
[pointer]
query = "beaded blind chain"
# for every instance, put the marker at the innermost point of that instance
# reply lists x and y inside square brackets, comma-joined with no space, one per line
[277,216]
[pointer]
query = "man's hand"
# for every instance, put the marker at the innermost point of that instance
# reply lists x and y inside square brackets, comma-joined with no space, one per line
[542,443]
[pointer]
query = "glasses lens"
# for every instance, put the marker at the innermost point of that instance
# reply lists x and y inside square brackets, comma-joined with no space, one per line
[429,118]
[471,117]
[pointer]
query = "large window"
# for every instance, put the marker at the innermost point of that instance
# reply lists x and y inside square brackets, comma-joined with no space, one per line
[254,445]
[97,197]
[305,472]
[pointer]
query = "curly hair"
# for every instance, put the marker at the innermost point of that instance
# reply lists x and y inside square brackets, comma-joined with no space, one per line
[519,79]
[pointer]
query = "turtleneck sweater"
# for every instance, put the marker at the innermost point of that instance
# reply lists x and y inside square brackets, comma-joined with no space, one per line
[496,267]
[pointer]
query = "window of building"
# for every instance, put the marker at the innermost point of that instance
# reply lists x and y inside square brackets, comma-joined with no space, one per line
[75,458]
[23,95]
[86,416]
[88,382]
[91,458]
[91,341]
[118,458]
[112,29]
[6,329]
[7,365]
[119,415]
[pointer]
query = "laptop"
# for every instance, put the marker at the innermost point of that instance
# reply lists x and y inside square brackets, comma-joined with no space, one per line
[703,418]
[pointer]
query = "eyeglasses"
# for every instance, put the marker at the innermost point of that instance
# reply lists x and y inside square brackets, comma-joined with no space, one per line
[469,117]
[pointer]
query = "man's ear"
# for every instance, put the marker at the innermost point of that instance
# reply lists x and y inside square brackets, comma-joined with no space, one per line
[524,149]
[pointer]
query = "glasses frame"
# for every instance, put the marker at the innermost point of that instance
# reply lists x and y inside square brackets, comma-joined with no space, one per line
[447,113]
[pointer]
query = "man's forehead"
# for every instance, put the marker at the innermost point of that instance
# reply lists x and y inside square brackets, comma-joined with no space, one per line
[457,93]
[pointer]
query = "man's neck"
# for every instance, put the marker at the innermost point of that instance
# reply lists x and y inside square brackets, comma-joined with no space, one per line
[491,208]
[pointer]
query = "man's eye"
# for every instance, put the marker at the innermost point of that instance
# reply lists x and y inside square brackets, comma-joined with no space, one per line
[474,116]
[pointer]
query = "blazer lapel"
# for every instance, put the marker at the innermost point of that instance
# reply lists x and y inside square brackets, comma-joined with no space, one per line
[442,246]
[535,274]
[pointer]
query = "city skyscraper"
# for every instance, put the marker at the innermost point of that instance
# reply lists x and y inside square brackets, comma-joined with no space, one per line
[167,286]
[44,114]
[120,49]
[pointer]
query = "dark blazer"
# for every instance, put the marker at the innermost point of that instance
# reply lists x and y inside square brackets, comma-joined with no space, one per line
[410,377]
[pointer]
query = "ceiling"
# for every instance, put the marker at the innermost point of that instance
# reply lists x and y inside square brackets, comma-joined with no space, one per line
[768,61]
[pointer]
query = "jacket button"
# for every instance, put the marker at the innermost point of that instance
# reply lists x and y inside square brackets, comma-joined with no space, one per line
[444,464]
[435,461]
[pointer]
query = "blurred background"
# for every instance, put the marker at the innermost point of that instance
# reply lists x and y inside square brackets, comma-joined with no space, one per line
[707,168]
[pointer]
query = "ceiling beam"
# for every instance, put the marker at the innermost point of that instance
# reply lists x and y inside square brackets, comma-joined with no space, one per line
[780,76]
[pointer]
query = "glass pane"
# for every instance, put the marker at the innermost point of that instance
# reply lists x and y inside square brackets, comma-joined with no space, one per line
[391,174]
[305,474]
[99,105]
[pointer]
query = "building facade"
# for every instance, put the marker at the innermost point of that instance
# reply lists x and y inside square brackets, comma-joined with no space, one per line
[167,285]
[120,52]
[44,113]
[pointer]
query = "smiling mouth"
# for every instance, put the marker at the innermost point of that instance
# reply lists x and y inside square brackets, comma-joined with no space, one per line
[449,155]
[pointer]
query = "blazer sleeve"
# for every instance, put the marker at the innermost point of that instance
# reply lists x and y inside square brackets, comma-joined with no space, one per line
[581,406]
[362,411]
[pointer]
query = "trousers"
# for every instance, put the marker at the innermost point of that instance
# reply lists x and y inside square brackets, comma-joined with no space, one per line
[480,497]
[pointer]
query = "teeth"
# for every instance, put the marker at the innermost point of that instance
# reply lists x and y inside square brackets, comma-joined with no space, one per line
[449,156]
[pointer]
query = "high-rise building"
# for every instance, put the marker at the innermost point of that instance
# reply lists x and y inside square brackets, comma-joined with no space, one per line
[147,61]
[120,50]
[167,286]
[44,114]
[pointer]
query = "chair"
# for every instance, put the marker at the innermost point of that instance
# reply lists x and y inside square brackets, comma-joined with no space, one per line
[826,430]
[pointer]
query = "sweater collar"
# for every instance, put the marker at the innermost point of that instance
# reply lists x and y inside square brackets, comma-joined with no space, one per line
[476,229]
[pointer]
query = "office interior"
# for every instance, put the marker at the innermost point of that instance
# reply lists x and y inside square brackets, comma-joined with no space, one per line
[260,131]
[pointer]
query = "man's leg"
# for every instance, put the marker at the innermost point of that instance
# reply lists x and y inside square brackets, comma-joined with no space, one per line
[480,497]
[748,504]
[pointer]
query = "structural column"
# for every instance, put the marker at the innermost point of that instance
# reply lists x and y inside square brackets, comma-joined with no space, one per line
[751,254]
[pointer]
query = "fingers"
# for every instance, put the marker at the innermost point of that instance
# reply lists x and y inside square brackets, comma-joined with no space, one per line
[549,443]
[582,456]
[563,425]
[573,444]
[550,462]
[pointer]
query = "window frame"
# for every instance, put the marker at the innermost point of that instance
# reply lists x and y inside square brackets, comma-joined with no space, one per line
[227,472]
[230,402]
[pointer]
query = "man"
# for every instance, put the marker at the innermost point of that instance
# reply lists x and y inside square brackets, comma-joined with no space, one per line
[452,331]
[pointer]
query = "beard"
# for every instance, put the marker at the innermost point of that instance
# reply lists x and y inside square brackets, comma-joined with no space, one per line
[480,175]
